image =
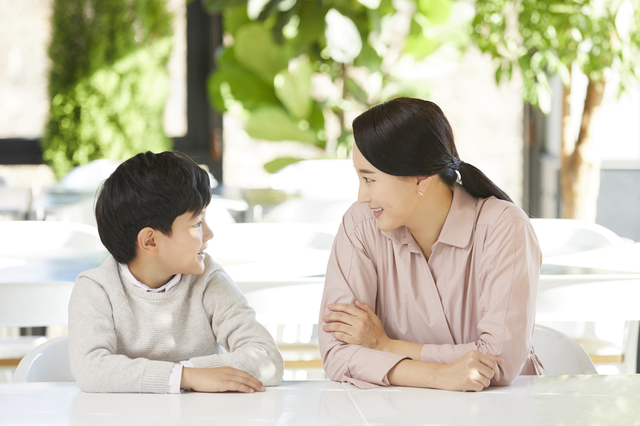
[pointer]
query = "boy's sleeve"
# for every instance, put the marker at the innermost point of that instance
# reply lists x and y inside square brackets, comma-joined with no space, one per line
[93,346]
[249,345]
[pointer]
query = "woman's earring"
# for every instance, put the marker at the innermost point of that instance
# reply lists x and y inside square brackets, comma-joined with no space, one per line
[420,194]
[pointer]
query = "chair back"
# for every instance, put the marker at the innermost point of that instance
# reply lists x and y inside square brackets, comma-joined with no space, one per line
[33,239]
[48,362]
[564,236]
[559,353]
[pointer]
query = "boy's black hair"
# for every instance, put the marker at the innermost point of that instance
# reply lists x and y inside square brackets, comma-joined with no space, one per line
[148,190]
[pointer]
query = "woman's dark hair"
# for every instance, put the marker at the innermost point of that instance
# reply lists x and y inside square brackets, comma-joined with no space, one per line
[148,190]
[412,137]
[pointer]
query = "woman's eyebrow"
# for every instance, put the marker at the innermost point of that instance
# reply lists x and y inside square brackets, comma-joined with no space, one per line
[366,171]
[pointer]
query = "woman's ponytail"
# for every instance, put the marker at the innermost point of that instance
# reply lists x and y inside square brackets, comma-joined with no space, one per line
[478,184]
[412,137]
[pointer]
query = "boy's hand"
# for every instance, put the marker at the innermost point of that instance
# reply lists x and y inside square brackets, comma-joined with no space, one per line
[219,379]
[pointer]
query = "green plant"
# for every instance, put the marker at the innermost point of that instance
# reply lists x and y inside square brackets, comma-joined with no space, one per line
[542,37]
[290,67]
[108,80]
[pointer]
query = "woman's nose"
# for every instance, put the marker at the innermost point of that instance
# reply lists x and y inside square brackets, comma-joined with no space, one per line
[363,195]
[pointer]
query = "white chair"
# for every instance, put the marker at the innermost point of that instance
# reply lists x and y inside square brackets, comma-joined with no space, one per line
[34,239]
[564,236]
[31,294]
[48,362]
[559,353]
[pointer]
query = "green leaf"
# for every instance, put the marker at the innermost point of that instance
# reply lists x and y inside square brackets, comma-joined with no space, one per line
[358,93]
[368,58]
[280,163]
[274,124]
[293,88]
[234,18]
[436,11]
[233,84]
[420,46]
[312,16]
[343,38]
[256,50]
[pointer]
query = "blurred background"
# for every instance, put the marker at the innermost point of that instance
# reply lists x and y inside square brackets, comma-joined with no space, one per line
[542,96]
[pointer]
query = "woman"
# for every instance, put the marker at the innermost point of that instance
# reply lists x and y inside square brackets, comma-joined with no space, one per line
[433,275]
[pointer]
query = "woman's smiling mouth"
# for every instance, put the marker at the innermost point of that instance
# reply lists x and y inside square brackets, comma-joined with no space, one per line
[377,212]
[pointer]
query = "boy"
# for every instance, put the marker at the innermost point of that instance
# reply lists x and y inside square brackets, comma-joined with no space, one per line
[157,314]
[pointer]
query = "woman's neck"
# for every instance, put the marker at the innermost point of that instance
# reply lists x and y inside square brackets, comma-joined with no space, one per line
[430,216]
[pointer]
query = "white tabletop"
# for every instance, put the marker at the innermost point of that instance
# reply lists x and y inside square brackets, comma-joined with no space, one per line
[547,400]
[621,258]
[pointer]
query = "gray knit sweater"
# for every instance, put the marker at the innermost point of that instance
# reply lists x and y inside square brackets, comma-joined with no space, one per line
[124,339]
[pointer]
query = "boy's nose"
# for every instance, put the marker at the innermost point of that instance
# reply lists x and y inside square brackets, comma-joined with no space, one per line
[207,234]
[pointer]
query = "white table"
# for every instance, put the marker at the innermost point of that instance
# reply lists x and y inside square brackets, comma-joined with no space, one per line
[621,258]
[547,400]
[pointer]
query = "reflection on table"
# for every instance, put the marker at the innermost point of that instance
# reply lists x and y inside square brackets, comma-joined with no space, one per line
[546,400]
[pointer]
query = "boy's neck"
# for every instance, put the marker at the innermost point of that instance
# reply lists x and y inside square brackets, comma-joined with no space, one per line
[147,273]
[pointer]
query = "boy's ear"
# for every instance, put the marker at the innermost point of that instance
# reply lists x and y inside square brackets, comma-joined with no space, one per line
[146,240]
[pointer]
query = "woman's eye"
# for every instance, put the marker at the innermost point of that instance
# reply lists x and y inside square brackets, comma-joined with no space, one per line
[198,225]
[367,180]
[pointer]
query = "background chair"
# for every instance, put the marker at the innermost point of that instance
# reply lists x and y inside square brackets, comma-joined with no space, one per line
[38,265]
[48,362]
[559,353]
[564,236]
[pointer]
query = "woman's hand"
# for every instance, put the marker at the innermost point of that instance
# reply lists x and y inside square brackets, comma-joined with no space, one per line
[356,325]
[472,372]
[219,379]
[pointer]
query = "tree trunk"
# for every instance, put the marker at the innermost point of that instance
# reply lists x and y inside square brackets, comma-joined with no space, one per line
[580,172]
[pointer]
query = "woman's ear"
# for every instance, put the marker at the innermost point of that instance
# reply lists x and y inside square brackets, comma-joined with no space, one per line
[423,183]
[146,241]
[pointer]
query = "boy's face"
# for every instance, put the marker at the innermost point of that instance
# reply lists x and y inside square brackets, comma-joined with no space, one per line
[183,251]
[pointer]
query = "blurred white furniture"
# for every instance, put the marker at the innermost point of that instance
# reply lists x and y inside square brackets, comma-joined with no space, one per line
[88,177]
[564,236]
[559,353]
[289,309]
[325,190]
[14,202]
[530,400]
[48,362]
[39,262]
[272,251]
[620,258]
[586,253]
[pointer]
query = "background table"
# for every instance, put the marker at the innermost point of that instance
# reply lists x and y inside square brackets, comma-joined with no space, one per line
[546,400]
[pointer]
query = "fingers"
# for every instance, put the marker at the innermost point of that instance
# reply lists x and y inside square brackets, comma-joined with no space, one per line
[492,363]
[339,317]
[364,307]
[343,307]
[244,382]
[344,337]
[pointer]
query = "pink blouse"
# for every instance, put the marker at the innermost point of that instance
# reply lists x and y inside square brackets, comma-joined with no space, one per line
[477,291]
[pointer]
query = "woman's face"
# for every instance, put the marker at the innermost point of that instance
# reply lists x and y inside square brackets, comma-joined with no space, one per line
[393,200]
